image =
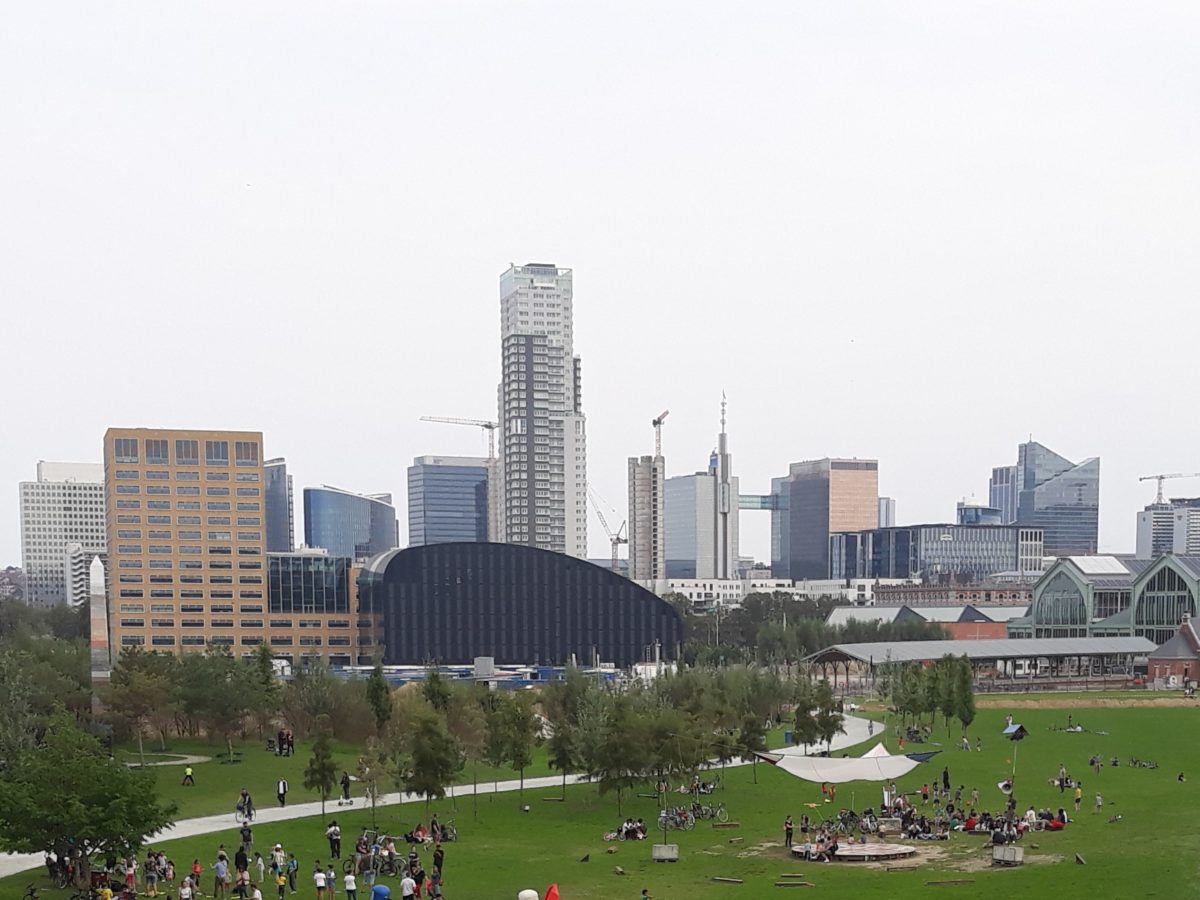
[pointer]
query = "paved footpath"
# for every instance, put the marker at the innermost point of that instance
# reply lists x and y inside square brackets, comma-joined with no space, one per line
[12,863]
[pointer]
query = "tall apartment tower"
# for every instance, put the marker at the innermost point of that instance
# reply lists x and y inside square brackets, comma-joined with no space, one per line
[647,518]
[186,541]
[1060,497]
[280,514]
[62,528]
[814,500]
[887,512]
[543,432]
[1169,527]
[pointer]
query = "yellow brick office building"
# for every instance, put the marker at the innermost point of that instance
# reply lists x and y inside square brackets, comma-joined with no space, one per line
[188,564]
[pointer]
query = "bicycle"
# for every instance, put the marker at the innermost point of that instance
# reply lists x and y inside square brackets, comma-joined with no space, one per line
[717,812]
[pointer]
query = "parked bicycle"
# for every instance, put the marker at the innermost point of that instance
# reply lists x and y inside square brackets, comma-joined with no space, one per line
[676,819]
[717,812]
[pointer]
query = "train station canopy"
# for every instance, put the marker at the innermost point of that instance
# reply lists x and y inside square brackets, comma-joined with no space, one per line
[881,652]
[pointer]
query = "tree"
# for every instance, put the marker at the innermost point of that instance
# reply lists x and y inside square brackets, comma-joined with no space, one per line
[265,703]
[372,765]
[132,696]
[752,740]
[321,772]
[310,695]
[379,698]
[520,729]
[562,749]
[435,689]
[434,759]
[964,693]
[828,719]
[805,730]
[67,795]
[19,726]
[468,726]
[213,692]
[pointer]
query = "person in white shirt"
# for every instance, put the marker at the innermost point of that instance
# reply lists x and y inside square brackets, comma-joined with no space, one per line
[319,881]
[408,887]
[281,789]
[351,887]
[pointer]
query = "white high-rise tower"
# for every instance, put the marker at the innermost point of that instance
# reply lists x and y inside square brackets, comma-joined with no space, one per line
[544,438]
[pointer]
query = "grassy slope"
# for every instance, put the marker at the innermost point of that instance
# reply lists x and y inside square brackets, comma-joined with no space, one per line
[1148,853]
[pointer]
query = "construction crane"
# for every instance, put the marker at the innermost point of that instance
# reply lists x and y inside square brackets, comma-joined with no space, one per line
[1161,478]
[489,427]
[657,423]
[615,539]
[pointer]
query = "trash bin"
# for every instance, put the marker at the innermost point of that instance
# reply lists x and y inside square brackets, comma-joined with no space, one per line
[787,738]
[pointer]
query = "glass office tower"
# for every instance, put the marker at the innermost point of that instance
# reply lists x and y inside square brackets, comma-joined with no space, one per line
[447,500]
[1060,497]
[357,526]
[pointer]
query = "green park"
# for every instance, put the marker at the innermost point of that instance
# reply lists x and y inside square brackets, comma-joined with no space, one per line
[536,782]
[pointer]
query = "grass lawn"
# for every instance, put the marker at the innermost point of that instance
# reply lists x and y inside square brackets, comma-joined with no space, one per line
[1149,852]
[218,784]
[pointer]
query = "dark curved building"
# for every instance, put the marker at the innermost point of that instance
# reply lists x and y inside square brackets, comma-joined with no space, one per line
[453,602]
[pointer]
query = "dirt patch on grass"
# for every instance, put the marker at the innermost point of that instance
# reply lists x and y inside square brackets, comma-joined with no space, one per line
[1083,703]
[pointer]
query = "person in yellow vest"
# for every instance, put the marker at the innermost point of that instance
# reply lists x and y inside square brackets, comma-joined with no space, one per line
[187,776]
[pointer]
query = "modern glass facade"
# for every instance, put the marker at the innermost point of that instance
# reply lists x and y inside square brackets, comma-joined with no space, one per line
[818,498]
[935,553]
[1002,493]
[453,602]
[308,583]
[278,511]
[1060,497]
[356,526]
[447,500]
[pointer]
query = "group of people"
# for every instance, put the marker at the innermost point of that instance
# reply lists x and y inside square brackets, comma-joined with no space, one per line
[285,742]
[633,831]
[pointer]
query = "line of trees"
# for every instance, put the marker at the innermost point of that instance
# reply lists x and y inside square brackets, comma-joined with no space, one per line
[777,629]
[945,687]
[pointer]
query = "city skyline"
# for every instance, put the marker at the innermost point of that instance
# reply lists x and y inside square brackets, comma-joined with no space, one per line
[908,217]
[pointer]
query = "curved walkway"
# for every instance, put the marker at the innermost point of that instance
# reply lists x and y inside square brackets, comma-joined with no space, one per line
[180,760]
[13,863]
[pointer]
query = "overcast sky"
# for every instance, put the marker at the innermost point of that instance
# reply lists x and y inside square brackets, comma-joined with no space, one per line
[911,231]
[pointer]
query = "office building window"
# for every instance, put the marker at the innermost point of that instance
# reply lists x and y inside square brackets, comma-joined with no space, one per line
[216,453]
[125,450]
[246,453]
[216,476]
[187,453]
[156,452]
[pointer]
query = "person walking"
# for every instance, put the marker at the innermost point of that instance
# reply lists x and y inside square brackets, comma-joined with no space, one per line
[281,789]
[1099,803]
[787,833]
[1078,796]
[946,778]
[246,833]
[261,866]
[188,780]
[974,797]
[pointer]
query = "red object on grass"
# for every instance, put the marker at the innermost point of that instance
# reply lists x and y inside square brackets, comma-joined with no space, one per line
[552,892]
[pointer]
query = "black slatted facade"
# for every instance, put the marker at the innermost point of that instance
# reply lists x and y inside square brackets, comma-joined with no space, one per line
[453,602]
